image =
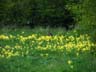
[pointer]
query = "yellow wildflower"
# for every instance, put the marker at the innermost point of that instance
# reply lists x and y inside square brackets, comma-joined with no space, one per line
[69,62]
[4,37]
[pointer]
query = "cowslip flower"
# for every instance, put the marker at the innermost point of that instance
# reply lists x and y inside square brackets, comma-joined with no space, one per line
[69,62]
[3,37]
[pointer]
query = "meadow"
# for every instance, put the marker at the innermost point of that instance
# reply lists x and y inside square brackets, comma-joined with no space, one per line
[27,50]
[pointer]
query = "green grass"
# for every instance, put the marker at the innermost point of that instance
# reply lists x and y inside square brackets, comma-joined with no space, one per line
[32,50]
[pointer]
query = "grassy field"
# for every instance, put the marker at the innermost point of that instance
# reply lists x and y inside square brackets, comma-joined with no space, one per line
[26,50]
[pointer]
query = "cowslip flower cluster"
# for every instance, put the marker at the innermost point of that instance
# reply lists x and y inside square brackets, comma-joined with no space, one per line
[25,45]
[4,37]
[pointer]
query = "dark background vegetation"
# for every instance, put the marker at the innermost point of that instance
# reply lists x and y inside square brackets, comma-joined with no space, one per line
[47,13]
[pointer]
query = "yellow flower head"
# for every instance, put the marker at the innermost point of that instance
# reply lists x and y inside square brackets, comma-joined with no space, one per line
[69,62]
[4,37]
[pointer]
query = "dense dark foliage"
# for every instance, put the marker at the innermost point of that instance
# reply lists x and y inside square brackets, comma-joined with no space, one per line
[32,13]
[52,13]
